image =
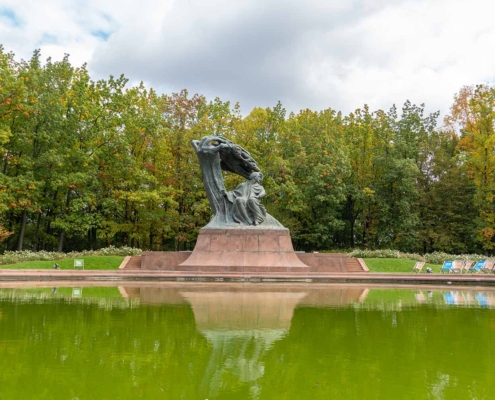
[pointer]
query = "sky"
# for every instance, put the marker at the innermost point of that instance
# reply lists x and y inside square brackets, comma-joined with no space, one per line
[315,54]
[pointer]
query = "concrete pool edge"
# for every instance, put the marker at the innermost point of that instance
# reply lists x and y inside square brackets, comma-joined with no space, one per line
[184,276]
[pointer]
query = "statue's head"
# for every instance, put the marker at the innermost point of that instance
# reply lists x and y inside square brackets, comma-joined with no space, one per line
[256,176]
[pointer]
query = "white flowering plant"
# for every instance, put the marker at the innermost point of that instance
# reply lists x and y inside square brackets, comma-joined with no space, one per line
[16,257]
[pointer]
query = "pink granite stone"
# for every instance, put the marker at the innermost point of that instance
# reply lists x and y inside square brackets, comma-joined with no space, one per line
[242,250]
[219,242]
[255,259]
[251,243]
[237,242]
[274,259]
[203,243]
[285,243]
[269,243]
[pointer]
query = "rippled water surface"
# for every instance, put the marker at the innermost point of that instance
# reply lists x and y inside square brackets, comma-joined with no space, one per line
[223,341]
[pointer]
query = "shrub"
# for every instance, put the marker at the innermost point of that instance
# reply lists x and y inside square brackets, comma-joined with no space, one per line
[384,254]
[16,257]
[432,258]
[439,257]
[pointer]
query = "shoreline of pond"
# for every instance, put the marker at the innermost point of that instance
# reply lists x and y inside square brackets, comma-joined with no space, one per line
[25,275]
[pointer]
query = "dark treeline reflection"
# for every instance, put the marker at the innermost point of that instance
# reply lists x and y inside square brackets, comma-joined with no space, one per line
[86,164]
[267,343]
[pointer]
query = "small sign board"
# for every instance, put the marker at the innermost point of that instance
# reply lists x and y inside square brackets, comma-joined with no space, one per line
[78,263]
[77,292]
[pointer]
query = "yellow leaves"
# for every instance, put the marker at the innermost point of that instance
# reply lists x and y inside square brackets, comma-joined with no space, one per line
[368,192]
[32,186]
[488,233]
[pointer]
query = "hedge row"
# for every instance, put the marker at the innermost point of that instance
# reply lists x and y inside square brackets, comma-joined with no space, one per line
[432,258]
[15,257]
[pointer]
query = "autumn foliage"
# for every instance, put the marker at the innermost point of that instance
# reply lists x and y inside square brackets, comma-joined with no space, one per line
[88,164]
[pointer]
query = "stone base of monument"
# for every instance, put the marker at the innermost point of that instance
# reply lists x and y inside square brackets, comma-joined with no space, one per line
[247,250]
[243,250]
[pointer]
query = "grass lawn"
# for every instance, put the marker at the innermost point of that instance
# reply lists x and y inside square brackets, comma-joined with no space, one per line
[90,262]
[396,265]
[113,262]
[108,292]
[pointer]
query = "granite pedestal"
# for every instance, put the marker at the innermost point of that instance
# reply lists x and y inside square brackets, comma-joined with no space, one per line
[243,250]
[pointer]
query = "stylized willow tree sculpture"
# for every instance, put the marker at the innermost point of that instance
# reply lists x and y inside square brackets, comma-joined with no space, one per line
[216,153]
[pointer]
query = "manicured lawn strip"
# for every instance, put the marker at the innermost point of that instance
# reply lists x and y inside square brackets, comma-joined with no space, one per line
[396,265]
[90,263]
[404,296]
[390,296]
[110,292]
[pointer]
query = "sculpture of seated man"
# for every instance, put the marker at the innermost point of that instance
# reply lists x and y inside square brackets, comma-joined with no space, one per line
[247,208]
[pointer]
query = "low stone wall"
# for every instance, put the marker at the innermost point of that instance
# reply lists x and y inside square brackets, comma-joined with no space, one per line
[163,260]
[324,262]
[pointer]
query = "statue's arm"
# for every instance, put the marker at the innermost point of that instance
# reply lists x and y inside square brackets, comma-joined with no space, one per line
[262,193]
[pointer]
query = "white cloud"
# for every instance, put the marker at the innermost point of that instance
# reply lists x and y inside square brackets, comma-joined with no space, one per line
[314,54]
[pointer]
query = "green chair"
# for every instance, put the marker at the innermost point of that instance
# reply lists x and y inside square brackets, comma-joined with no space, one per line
[78,263]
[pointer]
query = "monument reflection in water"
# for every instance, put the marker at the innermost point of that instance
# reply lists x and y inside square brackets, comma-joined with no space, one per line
[241,328]
[243,323]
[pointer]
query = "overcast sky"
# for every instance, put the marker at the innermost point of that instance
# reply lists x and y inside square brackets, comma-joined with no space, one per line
[313,54]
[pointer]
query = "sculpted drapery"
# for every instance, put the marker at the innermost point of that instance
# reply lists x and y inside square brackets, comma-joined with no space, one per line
[247,208]
[242,206]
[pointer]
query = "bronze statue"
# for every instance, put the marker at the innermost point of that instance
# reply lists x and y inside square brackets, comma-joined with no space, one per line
[246,197]
[240,208]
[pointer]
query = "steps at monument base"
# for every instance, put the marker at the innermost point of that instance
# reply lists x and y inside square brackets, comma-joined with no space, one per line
[354,265]
[133,263]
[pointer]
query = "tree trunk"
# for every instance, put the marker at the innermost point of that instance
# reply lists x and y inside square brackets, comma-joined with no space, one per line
[94,237]
[36,235]
[352,233]
[62,234]
[352,220]
[61,241]
[23,230]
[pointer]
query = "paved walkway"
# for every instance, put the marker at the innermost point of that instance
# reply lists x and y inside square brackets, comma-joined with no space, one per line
[181,276]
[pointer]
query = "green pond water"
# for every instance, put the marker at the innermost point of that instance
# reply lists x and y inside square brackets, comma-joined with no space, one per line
[228,341]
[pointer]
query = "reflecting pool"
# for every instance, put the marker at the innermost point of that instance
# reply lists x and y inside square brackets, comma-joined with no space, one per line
[246,341]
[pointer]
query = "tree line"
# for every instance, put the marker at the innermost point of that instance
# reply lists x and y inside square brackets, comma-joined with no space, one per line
[87,164]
